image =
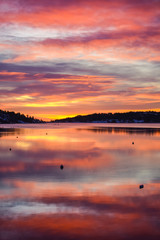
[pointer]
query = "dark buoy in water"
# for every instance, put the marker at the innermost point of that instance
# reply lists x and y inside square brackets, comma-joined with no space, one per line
[141,186]
[132,142]
[46,133]
[17,137]
[10,149]
[61,167]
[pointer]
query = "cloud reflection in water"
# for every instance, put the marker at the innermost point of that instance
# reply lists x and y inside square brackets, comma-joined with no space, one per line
[97,194]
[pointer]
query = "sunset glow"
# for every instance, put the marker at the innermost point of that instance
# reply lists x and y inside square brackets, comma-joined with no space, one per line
[63,58]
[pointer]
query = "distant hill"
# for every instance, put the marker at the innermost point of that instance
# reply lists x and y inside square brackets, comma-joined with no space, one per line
[12,117]
[128,117]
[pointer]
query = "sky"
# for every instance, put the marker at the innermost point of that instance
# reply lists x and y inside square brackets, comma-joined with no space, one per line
[65,57]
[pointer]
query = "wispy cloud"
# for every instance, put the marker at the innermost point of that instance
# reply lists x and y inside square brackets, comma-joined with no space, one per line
[93,52]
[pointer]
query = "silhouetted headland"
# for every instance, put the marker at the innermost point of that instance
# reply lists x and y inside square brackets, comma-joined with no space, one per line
[128,117]
[12,117]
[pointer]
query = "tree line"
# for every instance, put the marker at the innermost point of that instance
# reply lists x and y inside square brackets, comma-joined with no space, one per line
[12,117]
[127,117]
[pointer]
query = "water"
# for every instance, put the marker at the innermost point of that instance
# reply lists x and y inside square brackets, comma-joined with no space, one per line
[95,195]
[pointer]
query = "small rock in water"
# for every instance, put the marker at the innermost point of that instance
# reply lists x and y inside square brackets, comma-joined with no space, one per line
[141,186]
[132,142]
[61,167]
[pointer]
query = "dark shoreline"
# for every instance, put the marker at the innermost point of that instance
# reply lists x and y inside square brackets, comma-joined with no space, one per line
[128,117]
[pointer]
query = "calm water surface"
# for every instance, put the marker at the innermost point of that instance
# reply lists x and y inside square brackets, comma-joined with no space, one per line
[95,196]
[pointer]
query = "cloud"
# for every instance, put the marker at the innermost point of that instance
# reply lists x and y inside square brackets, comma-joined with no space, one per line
[52,48]
[83,13]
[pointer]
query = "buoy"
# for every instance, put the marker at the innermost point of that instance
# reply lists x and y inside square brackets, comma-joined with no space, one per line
[132,142]
[61,167]
[10,149]
[141,186]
